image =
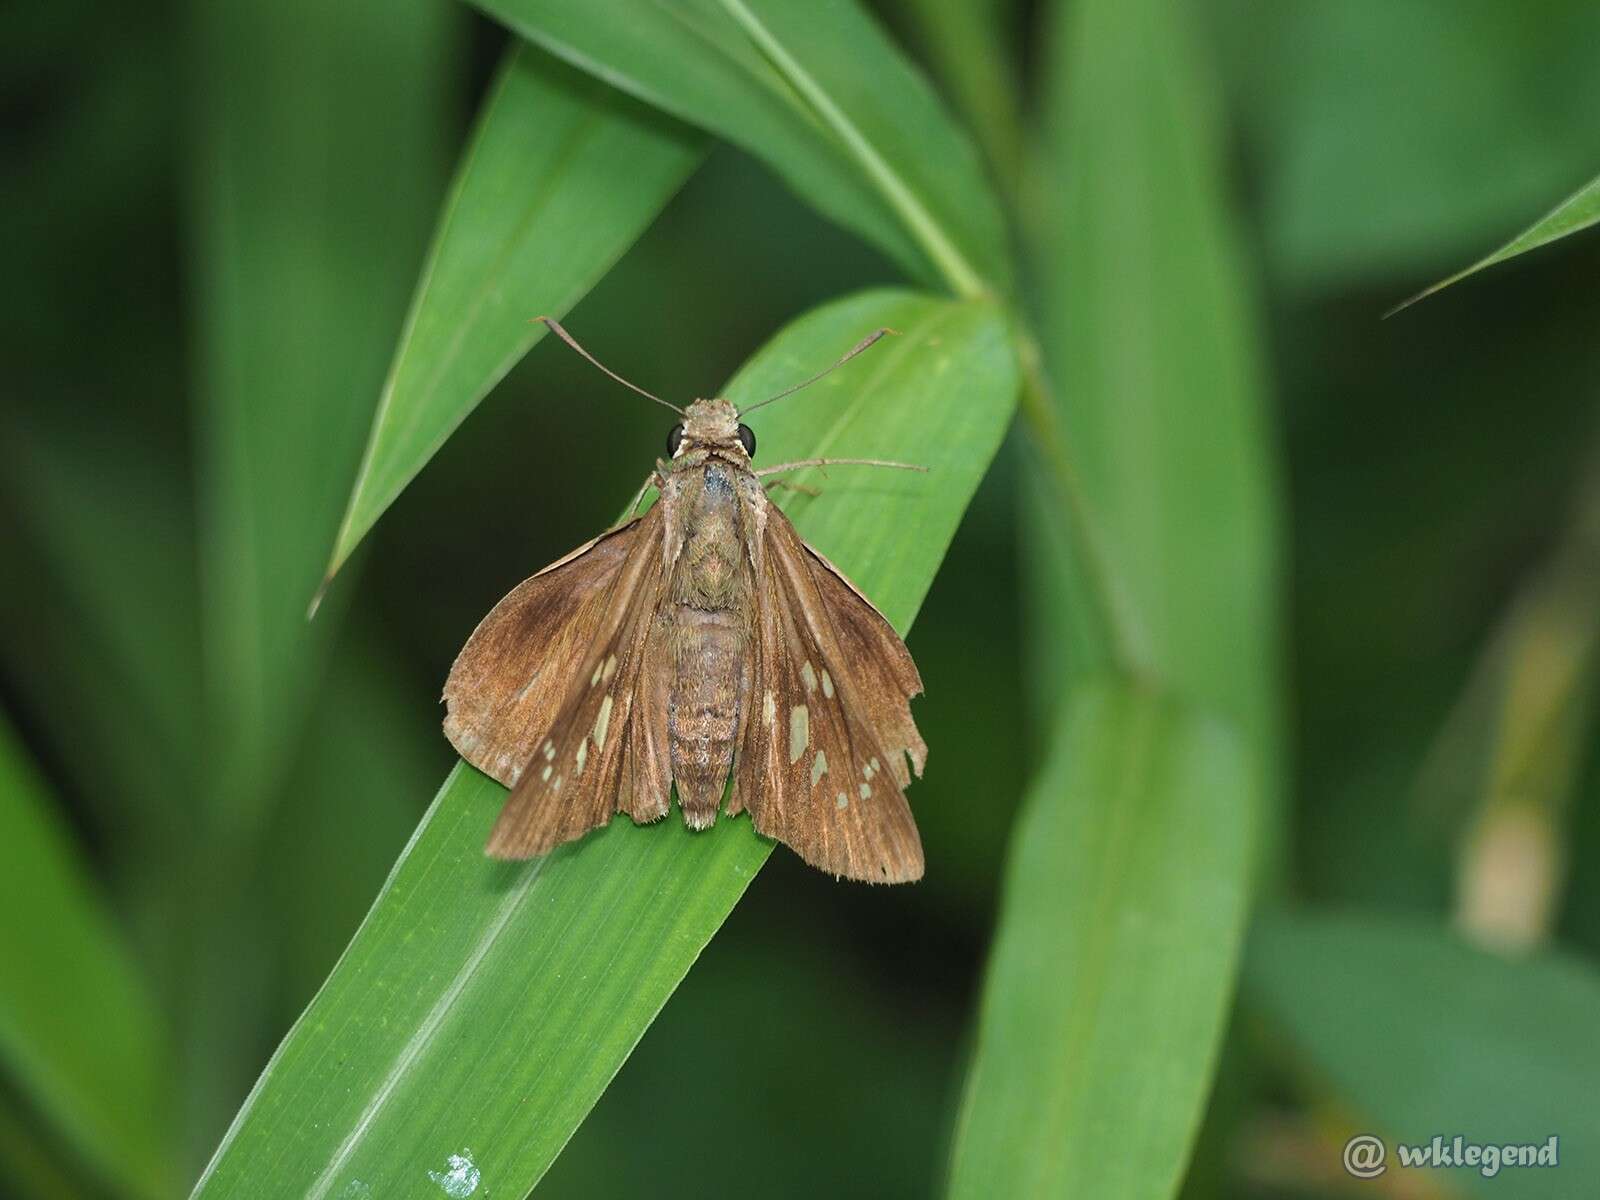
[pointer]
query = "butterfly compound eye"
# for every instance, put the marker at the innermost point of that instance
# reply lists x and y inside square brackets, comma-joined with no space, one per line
[747,439]
[674,439]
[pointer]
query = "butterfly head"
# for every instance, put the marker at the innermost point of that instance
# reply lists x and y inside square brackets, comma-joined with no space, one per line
[712,425]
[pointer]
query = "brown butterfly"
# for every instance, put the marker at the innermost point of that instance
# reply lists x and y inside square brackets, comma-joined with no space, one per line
[702,639]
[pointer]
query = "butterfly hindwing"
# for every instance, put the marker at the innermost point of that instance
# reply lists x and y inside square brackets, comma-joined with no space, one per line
[822,765]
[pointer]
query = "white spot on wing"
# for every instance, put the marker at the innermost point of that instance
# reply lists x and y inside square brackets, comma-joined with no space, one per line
[602,723]
[866,790]
[841,801]
[799,732]
[545,774]
[595,678]
[827,684]
[460,1176]
[583,755]
[769,709]
[549,749]
[819,766]
[808,676]
[611,669]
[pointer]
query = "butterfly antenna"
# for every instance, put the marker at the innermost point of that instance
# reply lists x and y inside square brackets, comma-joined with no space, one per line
[555,328]
[864,344]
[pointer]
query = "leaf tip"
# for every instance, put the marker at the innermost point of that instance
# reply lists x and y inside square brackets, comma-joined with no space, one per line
[322,590]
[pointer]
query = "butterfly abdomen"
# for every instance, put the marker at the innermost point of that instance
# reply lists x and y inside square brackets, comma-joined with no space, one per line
[703,711]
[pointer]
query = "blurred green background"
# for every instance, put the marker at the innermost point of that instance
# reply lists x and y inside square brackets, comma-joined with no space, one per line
[189,246]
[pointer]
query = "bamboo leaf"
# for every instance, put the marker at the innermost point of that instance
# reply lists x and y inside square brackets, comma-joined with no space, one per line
[561,176]
[1120,932]
[1422,1035]
[816,91]
[483,1006]
[79,1033]
[317,160]
[1573,215]
[1149,340]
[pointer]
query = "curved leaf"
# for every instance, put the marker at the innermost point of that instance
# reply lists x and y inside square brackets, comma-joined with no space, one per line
[818,92]
[1120,931]
[483,1006]
[561,176]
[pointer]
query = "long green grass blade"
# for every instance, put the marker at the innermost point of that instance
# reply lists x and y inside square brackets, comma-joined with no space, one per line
[1117,948]
[819,93]
[561,176]
[317,160]
[1120,932]
[1148,337]
[1418,1034]
[1573,215]
[79,1034]
[482,1007]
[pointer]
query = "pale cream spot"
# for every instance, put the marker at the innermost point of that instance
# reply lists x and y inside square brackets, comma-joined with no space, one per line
[555,784]
[866,770]
[827,684]
[808,676]
[610,670]
[874,763]
[769,709]
[549,749]
[583,755]
[841,801]
[819,766]
[865,790]
[602,723]
[545,774]
[595,678]
[799,732]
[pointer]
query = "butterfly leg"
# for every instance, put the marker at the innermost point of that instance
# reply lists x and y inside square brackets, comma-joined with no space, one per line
[650,480]
[793,487]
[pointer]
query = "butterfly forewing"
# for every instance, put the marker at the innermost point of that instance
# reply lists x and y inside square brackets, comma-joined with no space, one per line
[822,765]
[572,771]
[508,684]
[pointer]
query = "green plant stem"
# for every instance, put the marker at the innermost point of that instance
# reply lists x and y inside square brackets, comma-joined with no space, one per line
[1043,417]
[963,279]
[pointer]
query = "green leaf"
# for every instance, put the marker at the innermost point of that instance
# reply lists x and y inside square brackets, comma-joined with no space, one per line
[483,1006]
[1150,342]
[318,158]
[79,1033]
[561,176]
[1420,1035]
[1121,925]
[1577,212]
[970,50]
[817,92]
